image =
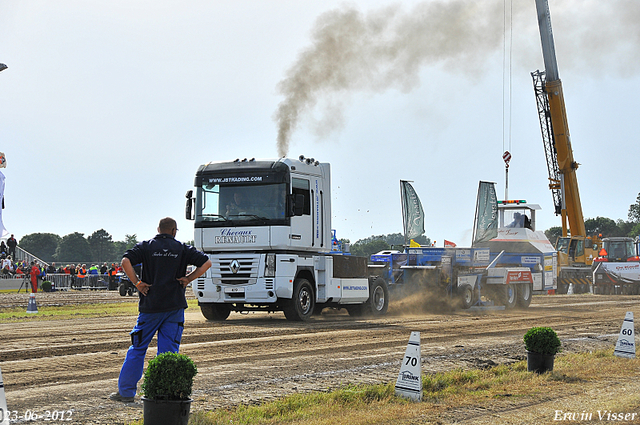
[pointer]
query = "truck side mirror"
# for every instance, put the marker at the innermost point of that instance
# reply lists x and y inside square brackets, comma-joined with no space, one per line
[295,205]
[298,206]
[188,212]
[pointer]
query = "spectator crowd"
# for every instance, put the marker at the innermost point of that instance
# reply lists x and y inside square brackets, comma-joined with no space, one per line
[77,272]
[12,269]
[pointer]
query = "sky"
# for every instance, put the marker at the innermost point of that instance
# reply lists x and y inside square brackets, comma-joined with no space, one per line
[109,107]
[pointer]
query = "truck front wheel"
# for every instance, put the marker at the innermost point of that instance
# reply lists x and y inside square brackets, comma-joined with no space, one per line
[466,296]
[525,292]
[509,296]
[215,312]
[300,307]
[378,301]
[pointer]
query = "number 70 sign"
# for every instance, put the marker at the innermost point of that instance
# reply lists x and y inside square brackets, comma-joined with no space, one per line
[409,383]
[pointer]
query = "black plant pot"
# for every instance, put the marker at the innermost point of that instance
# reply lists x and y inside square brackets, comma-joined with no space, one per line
[166,412]
[539,363]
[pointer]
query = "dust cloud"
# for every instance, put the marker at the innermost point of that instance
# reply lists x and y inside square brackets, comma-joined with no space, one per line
[353,51]
[424,292]
[422,301]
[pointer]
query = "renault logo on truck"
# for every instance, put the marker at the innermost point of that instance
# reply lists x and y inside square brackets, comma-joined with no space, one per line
[234,266]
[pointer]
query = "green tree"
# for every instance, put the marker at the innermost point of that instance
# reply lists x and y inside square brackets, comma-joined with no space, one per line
[368,248]
[73,248]
[553,233]
[101,244]
[601,226]
[625,228]
[634,211]
[120,247]
[42,245]
[394,239]
[130,241]
[423,240]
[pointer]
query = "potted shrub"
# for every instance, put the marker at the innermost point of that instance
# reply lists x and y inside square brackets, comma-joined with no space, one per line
[47,286]
[167,389]
[542,344]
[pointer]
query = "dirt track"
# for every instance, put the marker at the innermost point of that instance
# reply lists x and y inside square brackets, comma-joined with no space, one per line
[72,365]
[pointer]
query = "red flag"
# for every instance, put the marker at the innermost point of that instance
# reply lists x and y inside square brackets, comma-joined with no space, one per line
[449,243]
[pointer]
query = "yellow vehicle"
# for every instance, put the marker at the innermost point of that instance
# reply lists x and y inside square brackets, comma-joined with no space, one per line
[576,251]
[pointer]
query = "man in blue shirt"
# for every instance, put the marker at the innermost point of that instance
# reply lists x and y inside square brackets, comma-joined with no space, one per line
[161,289]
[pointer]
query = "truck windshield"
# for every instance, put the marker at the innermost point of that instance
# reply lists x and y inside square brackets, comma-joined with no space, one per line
[517,219]
[619,249]
[237,205]
[563,245]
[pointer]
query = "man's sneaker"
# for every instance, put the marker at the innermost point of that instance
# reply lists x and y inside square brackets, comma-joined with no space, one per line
[117,397]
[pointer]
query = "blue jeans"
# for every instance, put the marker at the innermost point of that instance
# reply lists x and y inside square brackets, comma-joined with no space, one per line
[168,325]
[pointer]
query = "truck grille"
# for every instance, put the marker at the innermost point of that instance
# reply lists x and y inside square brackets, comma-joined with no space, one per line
[236,270]
[200,284]
[268,284]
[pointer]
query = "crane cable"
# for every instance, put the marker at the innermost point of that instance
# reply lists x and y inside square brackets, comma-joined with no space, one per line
[506,128]
[506,82]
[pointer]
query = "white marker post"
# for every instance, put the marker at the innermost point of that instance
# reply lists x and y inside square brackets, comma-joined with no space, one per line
[409,383]
[32,307]
[4,412]
[626,345]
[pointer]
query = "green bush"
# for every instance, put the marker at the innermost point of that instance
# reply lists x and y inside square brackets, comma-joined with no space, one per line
[542,340]
[169,376]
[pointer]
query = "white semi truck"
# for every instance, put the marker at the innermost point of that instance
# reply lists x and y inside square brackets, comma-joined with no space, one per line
[266,226]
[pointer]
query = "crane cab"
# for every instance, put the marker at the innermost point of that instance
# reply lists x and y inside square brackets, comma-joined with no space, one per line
[517,214]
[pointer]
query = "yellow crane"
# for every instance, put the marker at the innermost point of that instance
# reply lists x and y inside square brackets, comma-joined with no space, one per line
[576,250]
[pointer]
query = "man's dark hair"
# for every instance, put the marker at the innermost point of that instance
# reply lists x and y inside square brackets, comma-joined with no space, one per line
[167,225]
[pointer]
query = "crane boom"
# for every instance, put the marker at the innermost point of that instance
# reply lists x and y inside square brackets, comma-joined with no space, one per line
[577,251]
[570,196]
[546,127]
[546,38]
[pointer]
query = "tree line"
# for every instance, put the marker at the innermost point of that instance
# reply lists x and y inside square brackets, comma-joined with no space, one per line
[367,246]
[603,226]
[606,227]
[99,247]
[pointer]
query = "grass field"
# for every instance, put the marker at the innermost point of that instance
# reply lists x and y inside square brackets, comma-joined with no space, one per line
[585,383]
[447,397]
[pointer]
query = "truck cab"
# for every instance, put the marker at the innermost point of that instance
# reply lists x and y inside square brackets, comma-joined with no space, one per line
[266,226]
[260,205]
[618,249]
[616,270]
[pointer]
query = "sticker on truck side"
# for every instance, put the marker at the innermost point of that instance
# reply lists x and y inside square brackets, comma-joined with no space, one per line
[519,277]
[529,260]
[235,237]
[354,288]
[355,292]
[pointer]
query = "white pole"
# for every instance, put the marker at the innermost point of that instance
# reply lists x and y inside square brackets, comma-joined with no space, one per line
[506,182]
